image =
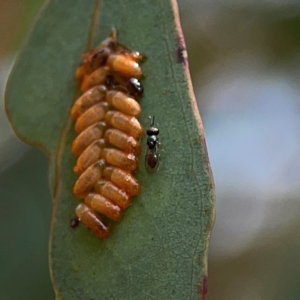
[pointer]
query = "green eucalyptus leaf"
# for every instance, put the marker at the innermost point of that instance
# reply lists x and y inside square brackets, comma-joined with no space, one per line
[159,249]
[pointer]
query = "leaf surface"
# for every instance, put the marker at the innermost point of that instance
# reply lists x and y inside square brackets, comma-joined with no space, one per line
[159,249]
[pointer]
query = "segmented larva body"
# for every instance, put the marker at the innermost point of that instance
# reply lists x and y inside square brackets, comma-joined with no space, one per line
[108,132]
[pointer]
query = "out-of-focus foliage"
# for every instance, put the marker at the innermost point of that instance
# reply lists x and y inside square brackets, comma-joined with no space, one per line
[25,219]
[15,19]
[26,206]
[245,68]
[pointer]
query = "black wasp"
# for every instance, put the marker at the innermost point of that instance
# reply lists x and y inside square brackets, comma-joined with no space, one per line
[152,155]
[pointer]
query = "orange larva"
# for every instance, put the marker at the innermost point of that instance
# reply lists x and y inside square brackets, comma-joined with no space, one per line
[122,141]
[92,61]
[88,217]
[86,137]
[87,180]
[96,78]
[112,192]
[89,156]
[120,159]
[123,103]
[123,180]
[125,65]
[102,205]
[128,124]
[91,116]
[107,144]
[88,99]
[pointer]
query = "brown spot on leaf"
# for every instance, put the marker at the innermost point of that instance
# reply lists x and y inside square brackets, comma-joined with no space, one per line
[204,288]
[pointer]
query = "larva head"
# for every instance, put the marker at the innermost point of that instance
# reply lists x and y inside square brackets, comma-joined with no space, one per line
[131,86]
[137,56]
[135,87]
[88,217]
[74,222]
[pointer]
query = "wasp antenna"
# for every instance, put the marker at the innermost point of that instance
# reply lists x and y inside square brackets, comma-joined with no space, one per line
[152,118]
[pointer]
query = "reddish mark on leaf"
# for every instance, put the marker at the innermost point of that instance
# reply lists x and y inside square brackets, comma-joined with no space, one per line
[181,52]
[181,55]
[204,288]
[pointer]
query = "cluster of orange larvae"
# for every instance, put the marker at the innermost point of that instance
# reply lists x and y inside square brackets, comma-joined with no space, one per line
[107,144]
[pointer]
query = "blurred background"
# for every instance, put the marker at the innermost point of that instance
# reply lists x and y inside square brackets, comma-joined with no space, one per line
[244,59]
